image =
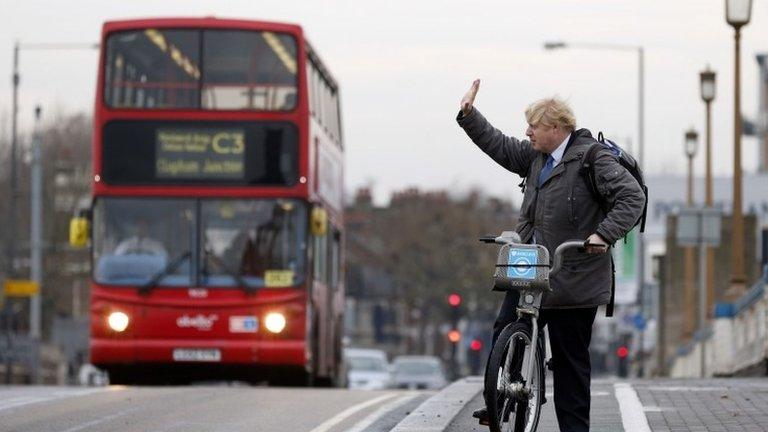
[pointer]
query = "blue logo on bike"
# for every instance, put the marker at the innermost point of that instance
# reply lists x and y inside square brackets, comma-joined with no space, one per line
[522,258]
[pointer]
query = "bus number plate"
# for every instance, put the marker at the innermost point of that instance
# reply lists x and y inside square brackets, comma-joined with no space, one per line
[278,278]
[200,355]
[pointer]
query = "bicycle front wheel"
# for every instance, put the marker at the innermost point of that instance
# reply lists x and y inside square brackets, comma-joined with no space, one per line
[510,407]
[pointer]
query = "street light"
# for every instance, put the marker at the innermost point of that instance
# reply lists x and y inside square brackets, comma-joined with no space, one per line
[707,79]
[690,148]
[691,145]
[737,14]
[551,45]
[13,226]
[707,85]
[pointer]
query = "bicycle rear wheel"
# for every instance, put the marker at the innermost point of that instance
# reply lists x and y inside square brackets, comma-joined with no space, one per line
[509,408]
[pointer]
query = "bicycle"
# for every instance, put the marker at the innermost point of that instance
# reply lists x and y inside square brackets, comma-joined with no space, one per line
[514,381]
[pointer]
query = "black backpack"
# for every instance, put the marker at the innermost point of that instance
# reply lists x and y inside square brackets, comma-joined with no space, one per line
[587,170]
[625,159]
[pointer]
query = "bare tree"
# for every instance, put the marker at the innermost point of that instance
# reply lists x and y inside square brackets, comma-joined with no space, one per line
[426,244]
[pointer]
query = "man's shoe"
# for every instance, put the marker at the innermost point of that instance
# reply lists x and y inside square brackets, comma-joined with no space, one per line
[482,416]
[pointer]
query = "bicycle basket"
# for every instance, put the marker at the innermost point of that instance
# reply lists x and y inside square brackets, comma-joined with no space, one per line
[522,267]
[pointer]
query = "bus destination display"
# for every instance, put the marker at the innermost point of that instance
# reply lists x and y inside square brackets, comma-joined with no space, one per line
[200,154]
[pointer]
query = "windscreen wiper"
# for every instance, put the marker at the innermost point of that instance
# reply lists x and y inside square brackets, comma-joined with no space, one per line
[234,275]
[168,269]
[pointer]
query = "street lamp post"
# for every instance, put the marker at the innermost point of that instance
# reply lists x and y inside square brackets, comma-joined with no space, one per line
[737,14]
[640,150]
[691,144]
[14,190]
[707,79]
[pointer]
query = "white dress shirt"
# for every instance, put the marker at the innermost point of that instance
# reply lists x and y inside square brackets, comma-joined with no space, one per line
[558,153]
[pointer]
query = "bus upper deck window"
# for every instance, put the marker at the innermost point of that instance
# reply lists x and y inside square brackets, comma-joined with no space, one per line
[248,70]
[153,68]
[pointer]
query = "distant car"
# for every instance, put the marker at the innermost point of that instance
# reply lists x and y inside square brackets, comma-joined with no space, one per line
[367,369]
[419,372]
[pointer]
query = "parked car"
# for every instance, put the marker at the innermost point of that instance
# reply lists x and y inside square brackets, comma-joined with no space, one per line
[367,369]
[419,372]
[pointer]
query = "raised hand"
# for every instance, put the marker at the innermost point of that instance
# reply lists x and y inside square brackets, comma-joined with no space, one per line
[469,98]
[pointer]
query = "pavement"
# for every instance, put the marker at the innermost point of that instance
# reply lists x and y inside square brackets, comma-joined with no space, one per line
[657,405]
[713,405]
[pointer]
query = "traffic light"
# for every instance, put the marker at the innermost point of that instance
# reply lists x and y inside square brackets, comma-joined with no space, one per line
[454,335]
[473,356]
[454,300]
[454,303]
[622,353]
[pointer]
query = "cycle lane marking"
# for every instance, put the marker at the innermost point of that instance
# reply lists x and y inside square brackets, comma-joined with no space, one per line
[390,406]
[340,417]
[631,409]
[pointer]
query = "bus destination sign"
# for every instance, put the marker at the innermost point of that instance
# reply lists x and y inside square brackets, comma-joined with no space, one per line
[200,153]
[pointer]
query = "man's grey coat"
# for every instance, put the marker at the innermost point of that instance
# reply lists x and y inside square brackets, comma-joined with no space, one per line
[563,208]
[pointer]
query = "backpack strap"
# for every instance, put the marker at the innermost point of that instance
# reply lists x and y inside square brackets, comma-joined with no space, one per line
[645,209]
[609,306]
[587,170]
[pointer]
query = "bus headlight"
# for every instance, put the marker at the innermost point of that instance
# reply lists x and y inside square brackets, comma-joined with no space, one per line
[118,321]
[274,322]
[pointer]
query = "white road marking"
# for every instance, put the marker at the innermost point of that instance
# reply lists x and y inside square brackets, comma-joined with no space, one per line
[100,420]
[371,419]
[27,396]
[632,415]
[340,417]
[687,389]
[20,401]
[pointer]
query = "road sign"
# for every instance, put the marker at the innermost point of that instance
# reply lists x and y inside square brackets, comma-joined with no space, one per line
[20,288]
[696,226]
[640,322]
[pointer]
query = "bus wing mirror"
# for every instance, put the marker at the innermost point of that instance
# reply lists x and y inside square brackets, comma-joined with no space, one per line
[78,232]
[319,222]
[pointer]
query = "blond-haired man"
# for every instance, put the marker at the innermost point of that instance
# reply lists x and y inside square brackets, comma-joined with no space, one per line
[558,206]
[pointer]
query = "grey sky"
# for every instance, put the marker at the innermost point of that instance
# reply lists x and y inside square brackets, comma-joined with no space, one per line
[404,65]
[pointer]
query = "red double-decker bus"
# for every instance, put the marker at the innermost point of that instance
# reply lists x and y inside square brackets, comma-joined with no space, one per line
[217,225]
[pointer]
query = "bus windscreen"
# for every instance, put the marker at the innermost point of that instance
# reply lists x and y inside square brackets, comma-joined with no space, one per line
[234,153]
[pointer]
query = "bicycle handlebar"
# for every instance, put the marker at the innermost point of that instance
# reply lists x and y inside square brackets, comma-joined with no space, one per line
[580,245]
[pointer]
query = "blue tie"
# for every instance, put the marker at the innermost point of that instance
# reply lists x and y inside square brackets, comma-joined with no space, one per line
[544,174]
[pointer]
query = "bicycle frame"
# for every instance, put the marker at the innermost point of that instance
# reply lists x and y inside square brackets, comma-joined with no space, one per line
[531,293]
